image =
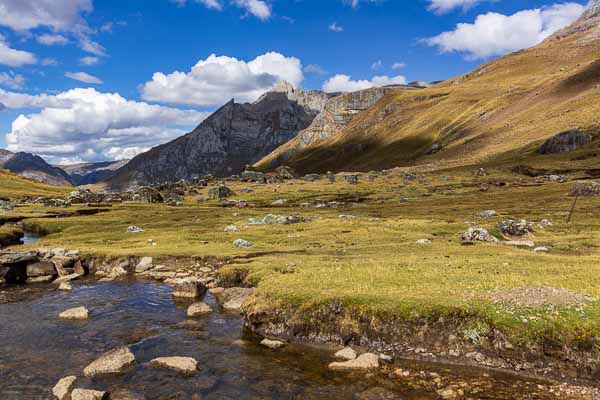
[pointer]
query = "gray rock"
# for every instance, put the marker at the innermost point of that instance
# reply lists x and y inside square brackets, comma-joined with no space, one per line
[41,268]
[242,244]
[565,142]
[112,362]
[198,309]
[234,298]
[232,228]
[135,229]
[220,193]
[188,288]
[144,265]
[586,189]
[488,214]
[40,279]
[515,228]
[272,219]
[478,235]
[313,177]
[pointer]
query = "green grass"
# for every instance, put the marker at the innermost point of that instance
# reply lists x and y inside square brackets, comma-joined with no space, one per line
[372,263]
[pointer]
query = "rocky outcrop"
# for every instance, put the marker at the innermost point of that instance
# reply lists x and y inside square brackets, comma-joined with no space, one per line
[590,20]
[565,142]
[33,167]
[228,140]
[338,112]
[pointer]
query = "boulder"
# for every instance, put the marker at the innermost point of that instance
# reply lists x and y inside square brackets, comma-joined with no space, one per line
[478,235]
[87,394]
[198,309]
[232,228]
[64,265]
[41,268]
[148,194]
[515,228]
[565,142]
[586,189]
[185,365]
[80,313]
[144,265]
[135,229]
[62,389]
[112,362]
[347,353]
[242,244]
[188,288]
[285,172]
[364,361]
[272,344]
[252,176]
[220,193]
[233,298]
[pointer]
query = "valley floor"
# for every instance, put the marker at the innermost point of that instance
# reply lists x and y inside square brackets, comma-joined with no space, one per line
[381,264]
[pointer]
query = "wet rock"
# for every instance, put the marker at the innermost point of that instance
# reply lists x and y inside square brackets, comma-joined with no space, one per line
[347,353]
[242,244]
[66,286]
[40,279]
[234,298]
[515,228]
[185,365]
[144,265]
[565,142]
[87,394]
[134,229]
[188,288]
[63,387]
[272,344]
[80,313]
[112,362]
[41,268]
[363,362]
[67,278]
[198,309]
[478,235]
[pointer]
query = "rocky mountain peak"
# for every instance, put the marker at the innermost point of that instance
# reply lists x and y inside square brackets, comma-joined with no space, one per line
[313,101]
[589,20]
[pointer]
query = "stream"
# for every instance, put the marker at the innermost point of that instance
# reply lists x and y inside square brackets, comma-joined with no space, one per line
[37,349]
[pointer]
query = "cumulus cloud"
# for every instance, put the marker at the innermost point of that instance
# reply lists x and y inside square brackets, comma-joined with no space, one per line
[84,77]
[52,40]
[334,27]
[87,125]
[495,34]
[258,8]
[216,80]
[12,80]
[444,6]
[13,57]
[344,83]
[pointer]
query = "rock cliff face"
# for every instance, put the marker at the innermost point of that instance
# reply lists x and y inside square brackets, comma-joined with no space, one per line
[232,137]
[33,167]
[589,21]
[337,113]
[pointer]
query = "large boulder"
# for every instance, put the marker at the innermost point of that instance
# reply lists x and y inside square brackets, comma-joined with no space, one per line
[253,176]
[188,288]
[62,389]
[285,172]
[565,142]
[185,365]
[147,194]
[234,298]
[586,189]
[515,228]
[112,362]
[220,193]
[41,268]
[478,235]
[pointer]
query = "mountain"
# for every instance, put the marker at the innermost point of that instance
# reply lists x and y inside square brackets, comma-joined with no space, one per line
[228,140]
[500,112]
[33,167]
[91,173]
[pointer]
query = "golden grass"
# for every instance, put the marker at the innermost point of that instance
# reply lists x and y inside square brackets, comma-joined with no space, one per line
[16,187]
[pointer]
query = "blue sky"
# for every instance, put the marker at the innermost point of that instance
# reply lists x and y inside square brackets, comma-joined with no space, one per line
[128,51]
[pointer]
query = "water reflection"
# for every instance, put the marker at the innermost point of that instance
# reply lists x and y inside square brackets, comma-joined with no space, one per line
[37,349]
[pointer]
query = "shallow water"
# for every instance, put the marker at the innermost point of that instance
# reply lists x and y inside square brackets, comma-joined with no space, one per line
[37,349]
[30,238]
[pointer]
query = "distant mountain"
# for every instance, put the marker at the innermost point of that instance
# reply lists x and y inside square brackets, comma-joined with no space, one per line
[33,167]
[91,173]
[501,112]
[232,137]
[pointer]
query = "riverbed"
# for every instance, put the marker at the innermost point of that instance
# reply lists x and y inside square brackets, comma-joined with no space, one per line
[37,349]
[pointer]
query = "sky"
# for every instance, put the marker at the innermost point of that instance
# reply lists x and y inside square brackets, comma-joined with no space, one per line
[97,80]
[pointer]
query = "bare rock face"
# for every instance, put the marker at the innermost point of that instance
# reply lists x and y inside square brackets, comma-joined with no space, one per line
[565,142]
[234,136]
[590,20]
[113,362]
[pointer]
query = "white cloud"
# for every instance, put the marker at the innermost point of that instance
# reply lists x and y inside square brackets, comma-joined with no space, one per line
[315,69]
[377,65]
[214,81]
[13,57]
[495,34]
[398,65]
[84,77]
[335,27]
[87,61]
[444,6]
[258,8]
[61,15]
[344,83]
[52,40]
[87,125]
[49,62]
[214,4]
[12,80]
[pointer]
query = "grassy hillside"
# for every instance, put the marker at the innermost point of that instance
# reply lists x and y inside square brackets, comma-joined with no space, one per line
[501,111]
[16,187]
